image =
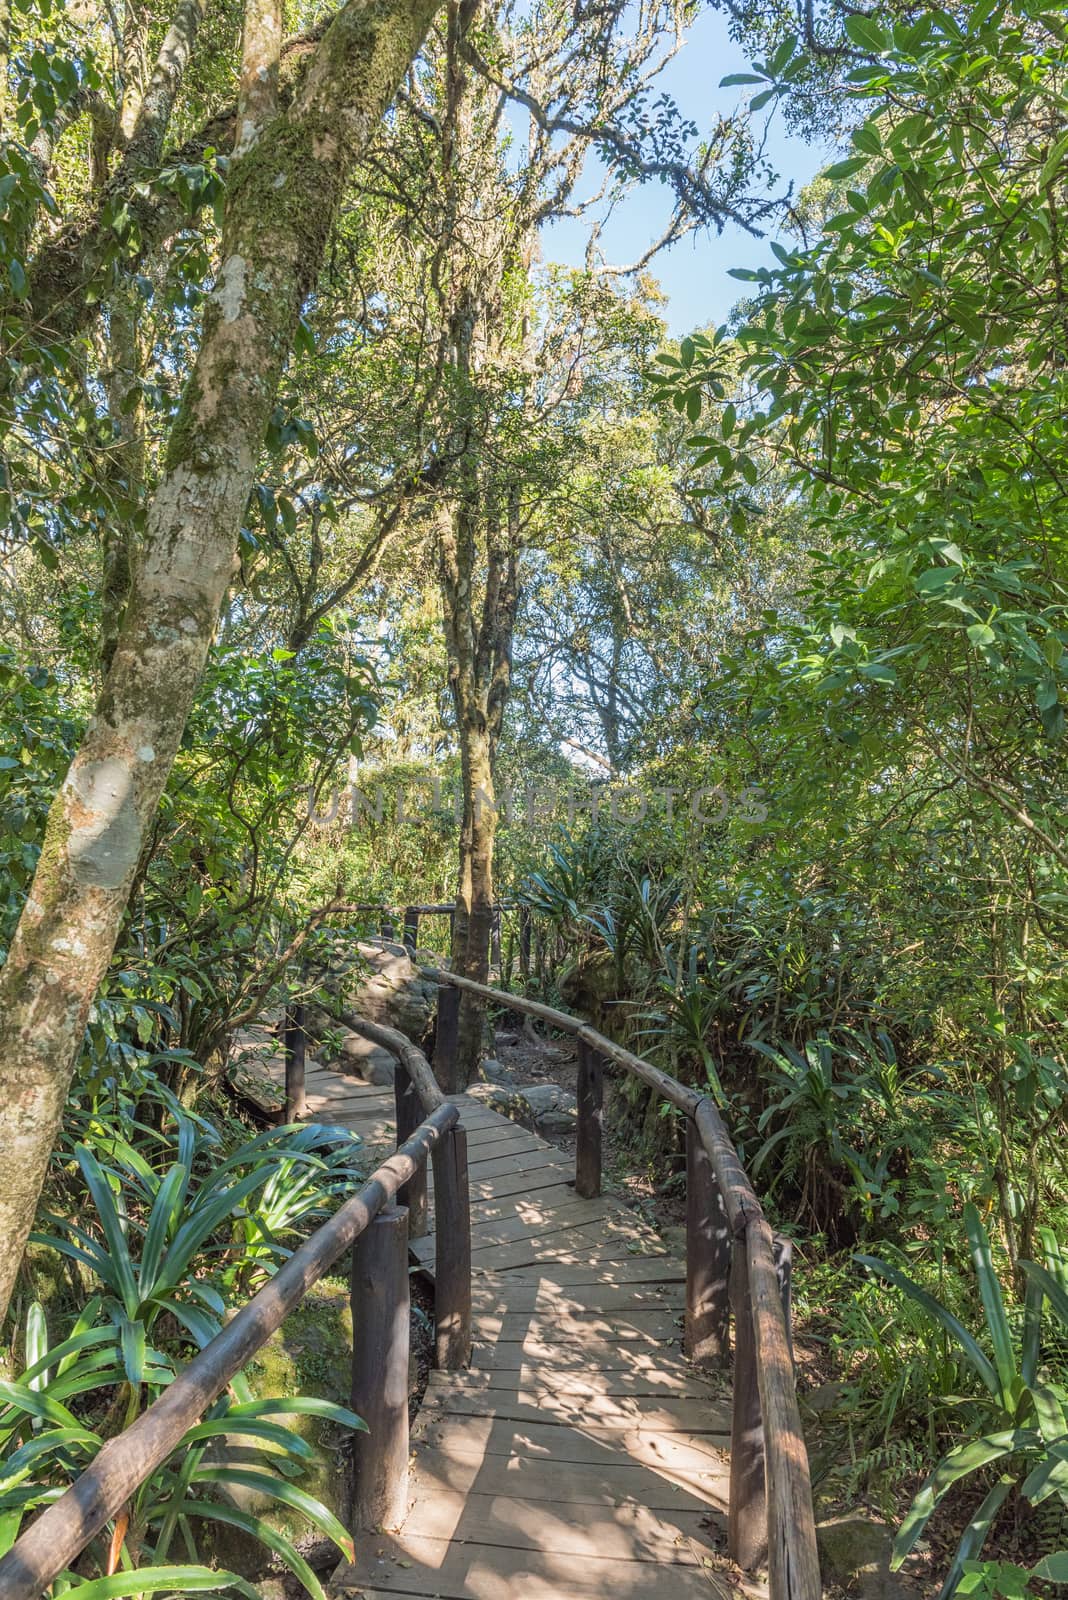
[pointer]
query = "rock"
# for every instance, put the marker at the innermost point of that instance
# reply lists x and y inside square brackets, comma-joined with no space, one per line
[506,1038]
[369,1062]
[825,1397]
[855,1553]
[494,1072]
[590,987]
[541,1107]
[387,988]
[311,1354]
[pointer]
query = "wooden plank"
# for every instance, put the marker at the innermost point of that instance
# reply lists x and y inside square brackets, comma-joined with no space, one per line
[641,1413]
[598,1354]
[496,1188]
[648,1327]
[521,1162]
[531,1379]
[562,1526]
[500,1129]
[547,1248]
[590,1445]
[511,1155]
[538,1221]
[515,1294]
[492,1207]
[470,1571]
[611,1482]
[647,1270]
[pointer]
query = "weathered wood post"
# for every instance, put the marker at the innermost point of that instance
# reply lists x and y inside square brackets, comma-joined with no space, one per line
[784,1269]
[524,941]
[590,1128]
[386,927]
[747,1520]
[381,1314]
[452,1252]
[447,1036]
[411,927]
[708,1259]
[295,1043]
[410,1114]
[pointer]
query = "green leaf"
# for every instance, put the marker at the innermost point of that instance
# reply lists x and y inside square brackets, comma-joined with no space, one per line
[215,1511]
[734,78]
[1052,1290]
[288,1494]
[980,633]
[866,34]
[304,1405]
[846,169]
[993,1302]
[154,1580]
[966,1458]
[980,1363]
[1052,1568]
[975,1534]
[1053,161]
[120,1273]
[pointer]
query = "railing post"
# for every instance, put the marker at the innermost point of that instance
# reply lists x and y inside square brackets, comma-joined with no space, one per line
[295,1043]
[452,1252]
[411,927]
[590,1099]
[784,1270]
[446,1035]
[386,928]
[747,1519]
[412,1194]
[381,1314]
[524,941]
[708,1259]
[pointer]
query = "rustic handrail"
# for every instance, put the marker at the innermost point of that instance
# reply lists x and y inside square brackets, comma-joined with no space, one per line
[733,1258]
[64,1528]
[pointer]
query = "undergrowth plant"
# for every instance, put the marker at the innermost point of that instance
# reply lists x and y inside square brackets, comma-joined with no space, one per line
[1019,1421]
[69,1399]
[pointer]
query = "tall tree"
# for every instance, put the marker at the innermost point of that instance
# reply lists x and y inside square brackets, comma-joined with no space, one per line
[285,182]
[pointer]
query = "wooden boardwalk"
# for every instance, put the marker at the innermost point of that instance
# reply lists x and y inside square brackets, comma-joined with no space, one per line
[581,1455]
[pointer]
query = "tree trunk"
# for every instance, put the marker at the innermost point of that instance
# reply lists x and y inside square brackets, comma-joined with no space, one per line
[473,923]
[282,198]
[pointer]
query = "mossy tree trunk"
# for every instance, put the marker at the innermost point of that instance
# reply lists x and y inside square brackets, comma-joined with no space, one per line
[479,645]
[282,197]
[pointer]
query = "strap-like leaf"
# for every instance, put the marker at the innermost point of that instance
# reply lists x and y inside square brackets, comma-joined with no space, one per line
[957,1464]
[68,1348]
[164,1207]
[975,1534]
[158,1580]
[980,1362]
[289,1495]
[118,1272]
[218,1512]
[993,1302]
[1051,1289]
[306,1405]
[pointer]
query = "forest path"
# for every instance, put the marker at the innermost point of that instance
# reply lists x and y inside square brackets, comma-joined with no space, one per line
[580,1455]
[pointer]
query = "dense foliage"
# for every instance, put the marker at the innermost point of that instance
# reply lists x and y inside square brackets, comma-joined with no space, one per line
[741,661]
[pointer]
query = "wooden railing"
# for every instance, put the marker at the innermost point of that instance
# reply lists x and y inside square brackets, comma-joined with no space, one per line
[376,1226]
[736,1269]
[410,917]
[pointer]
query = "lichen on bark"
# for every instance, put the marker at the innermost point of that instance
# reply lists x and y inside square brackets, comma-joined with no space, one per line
[279,210]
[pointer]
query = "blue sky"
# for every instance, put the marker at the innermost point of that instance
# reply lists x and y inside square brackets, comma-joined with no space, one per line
[694,272]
